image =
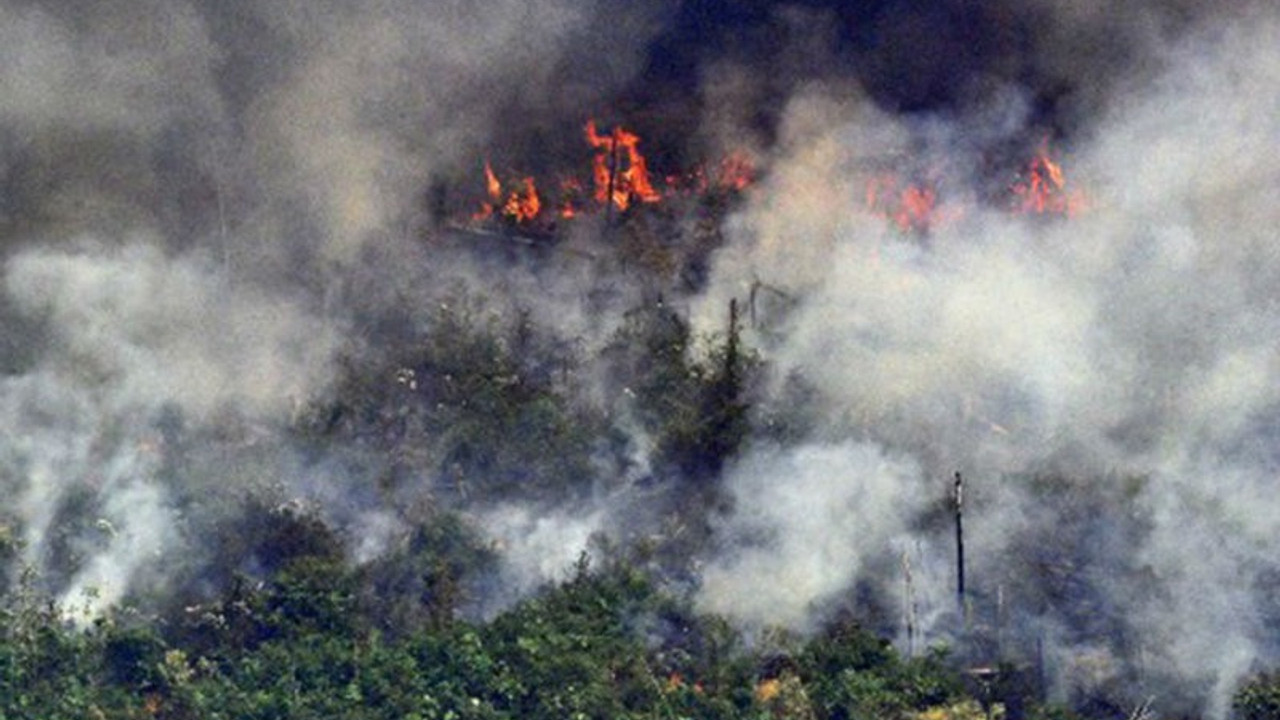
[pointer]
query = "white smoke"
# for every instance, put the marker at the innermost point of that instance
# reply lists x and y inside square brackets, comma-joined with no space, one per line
[133,325]
[804,522]
[1138,339]
[132,333]
[538,547]
[238,166]
[189,189]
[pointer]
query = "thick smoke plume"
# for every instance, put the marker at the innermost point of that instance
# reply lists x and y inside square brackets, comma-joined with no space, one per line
[1131,349]
[189,190]
[207,208]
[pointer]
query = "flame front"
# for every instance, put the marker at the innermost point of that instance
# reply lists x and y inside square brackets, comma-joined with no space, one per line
[491,182]
[523,205]
[620,179]
[494,189]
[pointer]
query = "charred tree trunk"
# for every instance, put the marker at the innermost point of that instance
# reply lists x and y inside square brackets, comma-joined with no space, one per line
[613,179]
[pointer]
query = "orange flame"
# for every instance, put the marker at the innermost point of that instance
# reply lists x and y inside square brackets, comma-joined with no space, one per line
[734,173]
[570,193]
[494,189]
[1043,190]
[491,182]
[620,177]
[917,208]
[616,181]
[523,206]
[737,172]
[912,208]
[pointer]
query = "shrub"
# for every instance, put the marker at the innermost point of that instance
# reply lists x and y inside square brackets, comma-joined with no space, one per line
[1258,698]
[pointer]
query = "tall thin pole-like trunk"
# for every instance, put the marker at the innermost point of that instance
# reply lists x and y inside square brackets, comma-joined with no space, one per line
[613,175]
[909,603]
[959,502]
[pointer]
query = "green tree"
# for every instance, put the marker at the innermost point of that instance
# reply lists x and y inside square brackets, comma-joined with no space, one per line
[1258,698]
[426,579]
[483,402]
[696,408]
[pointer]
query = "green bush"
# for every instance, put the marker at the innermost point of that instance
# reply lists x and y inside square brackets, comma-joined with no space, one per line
[1258,698]
[852,673]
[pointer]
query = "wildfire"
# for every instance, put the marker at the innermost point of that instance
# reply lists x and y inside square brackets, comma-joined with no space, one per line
[620,178]
[521,205]
[1043,188]
[494,189]
[736,172]
[910,207]
[676,682]
[571,197]
[917,207]
[617,181]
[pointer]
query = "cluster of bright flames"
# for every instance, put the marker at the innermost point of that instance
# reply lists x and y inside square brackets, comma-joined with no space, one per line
[620,179]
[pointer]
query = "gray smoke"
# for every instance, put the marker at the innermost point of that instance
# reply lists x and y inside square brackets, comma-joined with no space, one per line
[203,203]
[199,204]
[1137,340]
[805,522]
[130,334]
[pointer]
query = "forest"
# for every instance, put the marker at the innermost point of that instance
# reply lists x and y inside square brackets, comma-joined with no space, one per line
[899,359]
[287,601]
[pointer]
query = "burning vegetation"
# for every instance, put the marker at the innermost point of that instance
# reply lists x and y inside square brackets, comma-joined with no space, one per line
[1042,188]
[620,179]
[349,370]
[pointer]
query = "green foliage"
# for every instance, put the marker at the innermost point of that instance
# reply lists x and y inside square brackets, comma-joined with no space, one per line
[696,407]
[482,401]
[851,673]
[263,538]
[50,669]
[604,644]
[1259,698]
[722,425]
[10,551]
[132,658]
[572,649]
[426,578]
[276,570]
[313,595]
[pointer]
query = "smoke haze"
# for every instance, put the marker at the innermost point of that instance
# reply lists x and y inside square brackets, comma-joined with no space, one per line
[1135,341]
[204,206]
